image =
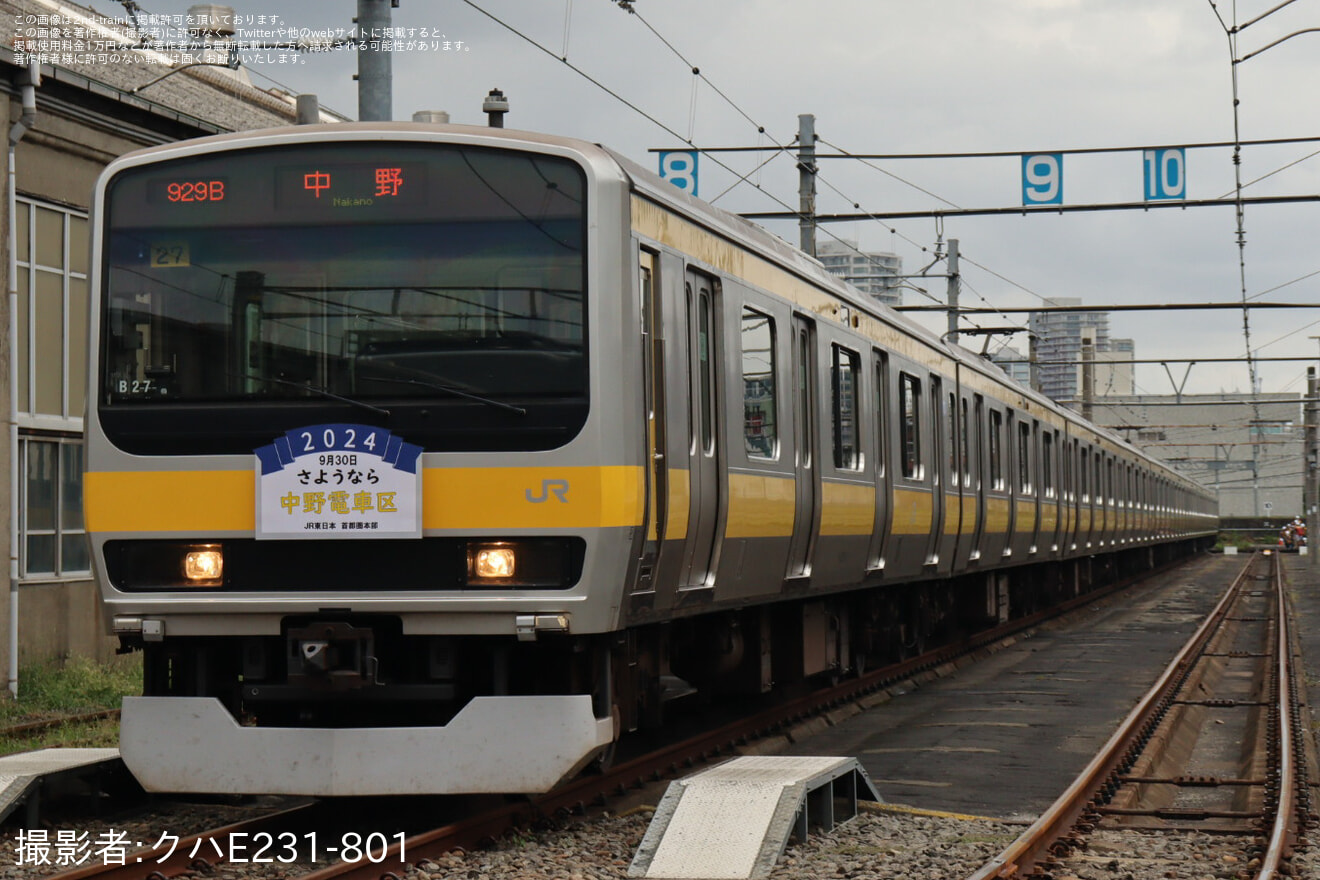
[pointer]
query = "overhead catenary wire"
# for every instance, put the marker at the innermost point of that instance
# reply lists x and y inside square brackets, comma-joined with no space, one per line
[778,147]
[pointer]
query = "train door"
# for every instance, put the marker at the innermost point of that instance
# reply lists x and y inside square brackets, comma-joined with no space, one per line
[939,470]
[962,458]
[978,474]
[1086,501]
[707,494]
[1031,439]
[997,538]
[880,453]
[805,442]
[653,396]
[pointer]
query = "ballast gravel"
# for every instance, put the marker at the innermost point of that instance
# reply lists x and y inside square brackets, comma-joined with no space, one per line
[881,843]
[873,846]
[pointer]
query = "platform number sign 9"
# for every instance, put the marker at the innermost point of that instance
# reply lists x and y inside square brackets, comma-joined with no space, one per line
[679,167]
[1042,179]
[1165,173]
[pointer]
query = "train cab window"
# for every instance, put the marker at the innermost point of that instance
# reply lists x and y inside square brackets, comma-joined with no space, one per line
[909,389]
[844,378]
[760,412]
[1024,458]
[262,315]
[996,450]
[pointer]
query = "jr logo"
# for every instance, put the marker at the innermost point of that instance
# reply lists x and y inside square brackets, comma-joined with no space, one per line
[557,488]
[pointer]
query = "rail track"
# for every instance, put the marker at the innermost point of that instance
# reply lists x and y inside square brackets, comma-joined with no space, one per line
[1214,747]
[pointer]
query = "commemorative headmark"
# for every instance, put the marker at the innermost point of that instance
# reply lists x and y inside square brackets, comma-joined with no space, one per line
[339,481]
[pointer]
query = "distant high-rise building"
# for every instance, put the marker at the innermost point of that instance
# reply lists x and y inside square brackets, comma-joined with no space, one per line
[1114,369]
[1059,346]
[1014,363]
[873,273]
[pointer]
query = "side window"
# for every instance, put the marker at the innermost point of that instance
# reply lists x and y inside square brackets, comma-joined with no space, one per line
[951,414]
[964,455]
[705,357]
[996,450]
[909,390]
[1024,458]
[845,365]
[1083,471]
[760,422]
[1047,465]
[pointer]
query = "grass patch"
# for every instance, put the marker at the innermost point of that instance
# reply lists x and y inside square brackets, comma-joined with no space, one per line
[100,734]
[81,685]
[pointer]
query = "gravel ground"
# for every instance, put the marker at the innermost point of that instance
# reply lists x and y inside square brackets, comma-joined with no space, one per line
[877,845]
[1189,856]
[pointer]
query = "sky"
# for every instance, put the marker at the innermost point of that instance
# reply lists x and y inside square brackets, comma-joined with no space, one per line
[933,77]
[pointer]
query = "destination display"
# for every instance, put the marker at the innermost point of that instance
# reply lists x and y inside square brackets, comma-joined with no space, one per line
[320,183]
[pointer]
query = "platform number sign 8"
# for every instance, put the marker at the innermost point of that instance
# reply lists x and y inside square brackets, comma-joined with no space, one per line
[1165,174]
[679,167]
[1042,179]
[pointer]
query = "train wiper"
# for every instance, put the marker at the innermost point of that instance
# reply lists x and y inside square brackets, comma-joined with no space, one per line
[440,386]
[315,389]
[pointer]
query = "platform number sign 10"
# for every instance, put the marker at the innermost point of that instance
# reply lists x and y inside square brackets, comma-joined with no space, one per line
[1042,179]
[679,167]
[1165,173]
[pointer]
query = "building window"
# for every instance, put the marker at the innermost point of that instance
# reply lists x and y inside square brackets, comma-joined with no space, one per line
[760,423]
[52,541]
[51,355]
[50,367]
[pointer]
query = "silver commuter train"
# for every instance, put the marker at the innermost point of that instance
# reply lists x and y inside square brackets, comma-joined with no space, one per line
[429,459]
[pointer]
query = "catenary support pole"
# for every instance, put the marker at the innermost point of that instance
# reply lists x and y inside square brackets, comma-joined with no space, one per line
[807,182]
[955,287]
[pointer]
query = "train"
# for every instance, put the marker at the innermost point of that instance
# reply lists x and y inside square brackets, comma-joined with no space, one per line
[430,459]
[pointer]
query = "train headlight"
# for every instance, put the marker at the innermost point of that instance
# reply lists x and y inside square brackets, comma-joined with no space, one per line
[204,566]
[493,562]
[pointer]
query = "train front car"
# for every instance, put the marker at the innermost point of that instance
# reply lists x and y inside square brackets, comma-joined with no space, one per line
[358,486]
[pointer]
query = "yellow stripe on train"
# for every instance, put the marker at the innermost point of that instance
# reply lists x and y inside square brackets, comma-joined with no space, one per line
[452,498]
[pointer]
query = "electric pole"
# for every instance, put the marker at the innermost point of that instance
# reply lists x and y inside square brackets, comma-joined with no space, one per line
[807,182]
[375,73]
[955,286]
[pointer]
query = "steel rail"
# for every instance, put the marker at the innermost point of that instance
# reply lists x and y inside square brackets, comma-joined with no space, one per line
[1033,844]
[197,853]
[1284,831]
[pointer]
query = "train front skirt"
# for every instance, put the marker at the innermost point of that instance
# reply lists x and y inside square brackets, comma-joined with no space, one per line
[495,744]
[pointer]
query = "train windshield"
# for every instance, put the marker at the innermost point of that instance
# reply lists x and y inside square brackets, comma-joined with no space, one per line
[356,274]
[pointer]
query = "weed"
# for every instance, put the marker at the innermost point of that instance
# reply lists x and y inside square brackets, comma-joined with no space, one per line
[80,685]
